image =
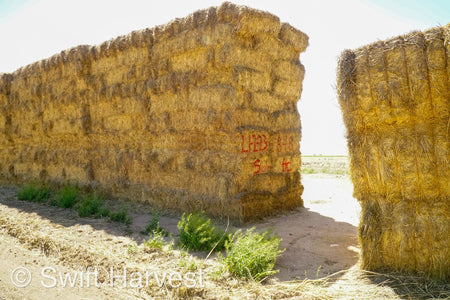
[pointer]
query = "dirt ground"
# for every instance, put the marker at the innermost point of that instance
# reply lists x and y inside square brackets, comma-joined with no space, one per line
[320,239]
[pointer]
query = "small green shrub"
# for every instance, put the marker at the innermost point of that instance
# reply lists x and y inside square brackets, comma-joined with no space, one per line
[132,248]
[120,215]
[67,197]
[91,205]
[27,193]
[252,255]
[105,211]
[44,194]
[188,263]
[197,233]
[155,241]
[153,226]
[34,193]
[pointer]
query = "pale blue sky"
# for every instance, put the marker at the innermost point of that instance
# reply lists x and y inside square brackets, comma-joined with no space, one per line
[35,29]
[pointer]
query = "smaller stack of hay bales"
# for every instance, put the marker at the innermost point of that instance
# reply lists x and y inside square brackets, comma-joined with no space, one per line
[197,114]
[395,98]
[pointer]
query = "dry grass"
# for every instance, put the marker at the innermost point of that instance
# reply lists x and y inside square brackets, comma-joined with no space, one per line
[395,98]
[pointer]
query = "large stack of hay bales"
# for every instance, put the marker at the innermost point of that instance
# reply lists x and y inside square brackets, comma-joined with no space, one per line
[196,114]
[395,98]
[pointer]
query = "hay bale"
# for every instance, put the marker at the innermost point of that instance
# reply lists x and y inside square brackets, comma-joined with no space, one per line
[395,99]
[198,114]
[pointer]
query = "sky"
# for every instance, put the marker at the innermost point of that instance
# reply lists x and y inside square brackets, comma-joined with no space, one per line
[31,30]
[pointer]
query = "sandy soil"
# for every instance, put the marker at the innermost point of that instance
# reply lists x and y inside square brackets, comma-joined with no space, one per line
[320,239]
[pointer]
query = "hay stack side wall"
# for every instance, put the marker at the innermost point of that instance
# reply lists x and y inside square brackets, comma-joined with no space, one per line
[197,114]
[395,98]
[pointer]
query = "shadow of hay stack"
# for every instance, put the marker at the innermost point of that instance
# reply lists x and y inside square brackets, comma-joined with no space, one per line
[198,114]
[395,98]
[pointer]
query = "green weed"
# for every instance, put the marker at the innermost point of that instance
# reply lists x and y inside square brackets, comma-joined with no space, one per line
[120,215]
[197,233]
[252,255]
[132,248]
[34,193]
[91,205]
[155,241]
[153,226]
[188,263]
[67,197]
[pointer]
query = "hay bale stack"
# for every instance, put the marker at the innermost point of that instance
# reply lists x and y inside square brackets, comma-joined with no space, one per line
[196,114]
[395,98]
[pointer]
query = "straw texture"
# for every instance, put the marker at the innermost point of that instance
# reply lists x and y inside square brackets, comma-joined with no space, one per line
[395,99]
[197,114]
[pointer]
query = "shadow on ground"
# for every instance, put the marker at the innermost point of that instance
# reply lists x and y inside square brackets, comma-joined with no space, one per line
[316,245]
